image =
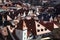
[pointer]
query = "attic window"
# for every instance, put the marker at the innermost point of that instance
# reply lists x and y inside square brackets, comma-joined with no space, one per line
[45,29]
[38,25]
[38,30]
[41,29]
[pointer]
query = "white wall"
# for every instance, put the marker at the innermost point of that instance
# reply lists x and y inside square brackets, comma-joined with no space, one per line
[56,26]
[41,27]
[25,35]
[21,34]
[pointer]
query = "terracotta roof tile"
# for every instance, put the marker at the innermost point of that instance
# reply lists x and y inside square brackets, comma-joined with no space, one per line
[48,25]
[31,25]
[20,25]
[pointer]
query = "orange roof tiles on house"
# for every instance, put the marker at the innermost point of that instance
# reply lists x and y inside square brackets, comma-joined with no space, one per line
[21,25]
[48,25]
[31,25]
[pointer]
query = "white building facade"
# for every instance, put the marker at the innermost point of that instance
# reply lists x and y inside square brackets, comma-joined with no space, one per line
[22,34]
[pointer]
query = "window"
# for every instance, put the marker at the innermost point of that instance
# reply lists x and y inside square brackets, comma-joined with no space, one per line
[41,29]
[24,37]
[45,29]
[38,25]
[38,30]
[24,33]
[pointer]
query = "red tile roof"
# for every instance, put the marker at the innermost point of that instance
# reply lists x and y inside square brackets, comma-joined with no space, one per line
[31,25]
[48,25]
[20,25]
